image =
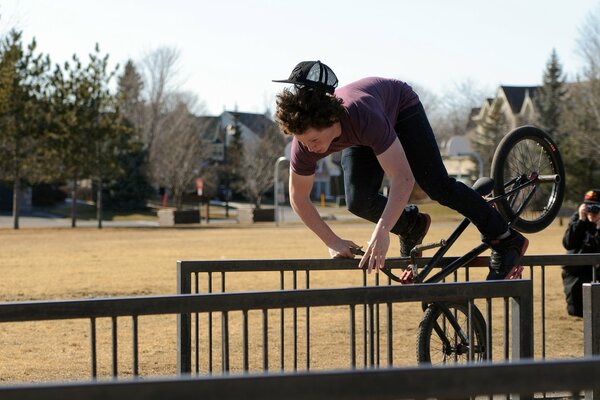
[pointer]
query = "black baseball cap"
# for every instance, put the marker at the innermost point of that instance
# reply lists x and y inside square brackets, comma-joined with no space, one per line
[312,74]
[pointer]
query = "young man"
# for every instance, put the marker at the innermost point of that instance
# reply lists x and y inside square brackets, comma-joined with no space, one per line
[582,236]
[381,128]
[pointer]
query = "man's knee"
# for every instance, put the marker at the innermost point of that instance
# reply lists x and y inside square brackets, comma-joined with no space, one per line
[359,206]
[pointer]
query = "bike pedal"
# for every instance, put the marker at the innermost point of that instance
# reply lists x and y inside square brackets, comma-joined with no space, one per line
[407,277]
[515,273]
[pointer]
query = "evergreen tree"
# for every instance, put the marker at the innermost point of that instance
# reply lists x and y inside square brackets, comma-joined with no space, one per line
[234,160]
[23,113]
[131,189]
[549,98]
[131,104]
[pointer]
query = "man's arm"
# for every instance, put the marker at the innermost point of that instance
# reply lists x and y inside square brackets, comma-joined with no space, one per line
[396,167]
[300,188]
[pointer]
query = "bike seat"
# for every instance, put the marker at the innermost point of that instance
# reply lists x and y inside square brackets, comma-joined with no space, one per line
[484,186]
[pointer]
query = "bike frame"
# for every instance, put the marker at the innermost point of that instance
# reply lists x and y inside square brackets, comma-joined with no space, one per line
[518,184]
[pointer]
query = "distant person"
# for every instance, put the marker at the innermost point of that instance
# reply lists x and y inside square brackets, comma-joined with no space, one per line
[582,236]
[381,128]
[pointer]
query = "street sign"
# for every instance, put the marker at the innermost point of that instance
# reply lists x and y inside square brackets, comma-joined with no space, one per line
[199,185]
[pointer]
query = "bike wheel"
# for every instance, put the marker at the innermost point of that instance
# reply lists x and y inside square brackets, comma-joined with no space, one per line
[524,153]
[443,335]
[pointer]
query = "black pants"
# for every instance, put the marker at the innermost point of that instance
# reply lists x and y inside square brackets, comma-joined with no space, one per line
[573,279]
[363,176]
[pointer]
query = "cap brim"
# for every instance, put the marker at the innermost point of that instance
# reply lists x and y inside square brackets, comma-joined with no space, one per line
[282,81]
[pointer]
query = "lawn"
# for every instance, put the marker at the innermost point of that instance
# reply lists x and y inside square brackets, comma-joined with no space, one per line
[40,264]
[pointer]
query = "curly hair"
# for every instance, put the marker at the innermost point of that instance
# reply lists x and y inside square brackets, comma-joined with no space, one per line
[301,109]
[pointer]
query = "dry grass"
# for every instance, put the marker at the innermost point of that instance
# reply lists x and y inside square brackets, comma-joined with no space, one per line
[39,264]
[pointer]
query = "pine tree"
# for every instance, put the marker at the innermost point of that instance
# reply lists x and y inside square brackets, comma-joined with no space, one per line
[131,104]
[23,114]
[549,98]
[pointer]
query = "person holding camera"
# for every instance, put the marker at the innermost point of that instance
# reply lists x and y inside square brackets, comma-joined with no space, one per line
[582,236]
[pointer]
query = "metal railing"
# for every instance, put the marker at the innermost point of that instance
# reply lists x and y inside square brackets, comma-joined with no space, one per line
[262,302]
[189,343]
[567,379]
[209,276]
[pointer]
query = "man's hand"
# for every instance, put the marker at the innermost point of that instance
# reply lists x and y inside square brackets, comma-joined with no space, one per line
[376,251]
[343,249]
[582,212]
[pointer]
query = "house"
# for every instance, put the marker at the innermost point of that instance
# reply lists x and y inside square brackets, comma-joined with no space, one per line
[515,103]
[215,132]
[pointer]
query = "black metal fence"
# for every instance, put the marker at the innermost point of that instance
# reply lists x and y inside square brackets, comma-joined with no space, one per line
[259,305]
[564,379]
[209,276]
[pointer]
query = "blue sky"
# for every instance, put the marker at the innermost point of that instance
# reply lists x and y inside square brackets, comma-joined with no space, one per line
[231,49]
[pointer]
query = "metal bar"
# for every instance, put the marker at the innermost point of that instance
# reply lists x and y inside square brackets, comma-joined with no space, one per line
[591,327]
[365,355]
[135,346]
[371,336]
[115,366]
[295,322]
[225,341]
[543,304]
[245,350]
[93,352]
[265,331]
[307,325]
[352,336]
[456,381]
[282,323]
[470,328]
[377,327]
[197,331]
[506,330]
[184,324]
[328,264]
[210,328]
[390,336]
[219,302]
[488,332]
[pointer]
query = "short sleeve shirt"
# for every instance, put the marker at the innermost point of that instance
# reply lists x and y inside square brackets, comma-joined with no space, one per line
[372,106]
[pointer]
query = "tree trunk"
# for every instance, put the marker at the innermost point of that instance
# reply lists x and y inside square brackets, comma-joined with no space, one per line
[16,202]
[99,204]
[74,203]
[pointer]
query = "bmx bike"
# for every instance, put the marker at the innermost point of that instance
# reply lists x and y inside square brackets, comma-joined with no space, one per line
[527,188]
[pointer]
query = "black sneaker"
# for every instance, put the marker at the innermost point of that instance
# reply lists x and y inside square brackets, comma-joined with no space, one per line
[415,235]
[506,255]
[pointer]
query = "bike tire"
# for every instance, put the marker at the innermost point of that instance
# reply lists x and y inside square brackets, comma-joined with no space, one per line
[522,152]
[434,349]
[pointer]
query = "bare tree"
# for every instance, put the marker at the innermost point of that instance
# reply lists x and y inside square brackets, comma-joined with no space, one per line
[177,156]
[258,161]
[449,111]
[160,73]
[588,47]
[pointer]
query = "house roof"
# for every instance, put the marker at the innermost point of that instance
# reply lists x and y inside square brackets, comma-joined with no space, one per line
[515,95]
[209,128]
[257,123]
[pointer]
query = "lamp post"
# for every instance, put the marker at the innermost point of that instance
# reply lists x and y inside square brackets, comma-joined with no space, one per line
[276,188]
[229,131]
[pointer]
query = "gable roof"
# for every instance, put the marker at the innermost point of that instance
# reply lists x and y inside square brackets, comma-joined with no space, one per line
[257,123]
[209,128]
[515,95]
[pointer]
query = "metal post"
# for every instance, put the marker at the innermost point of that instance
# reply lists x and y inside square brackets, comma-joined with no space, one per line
[591,326]
[276,188]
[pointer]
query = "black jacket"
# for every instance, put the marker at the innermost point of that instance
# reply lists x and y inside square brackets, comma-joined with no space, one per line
[581,236]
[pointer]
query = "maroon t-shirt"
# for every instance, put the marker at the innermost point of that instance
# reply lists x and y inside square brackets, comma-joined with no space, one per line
[372,106]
